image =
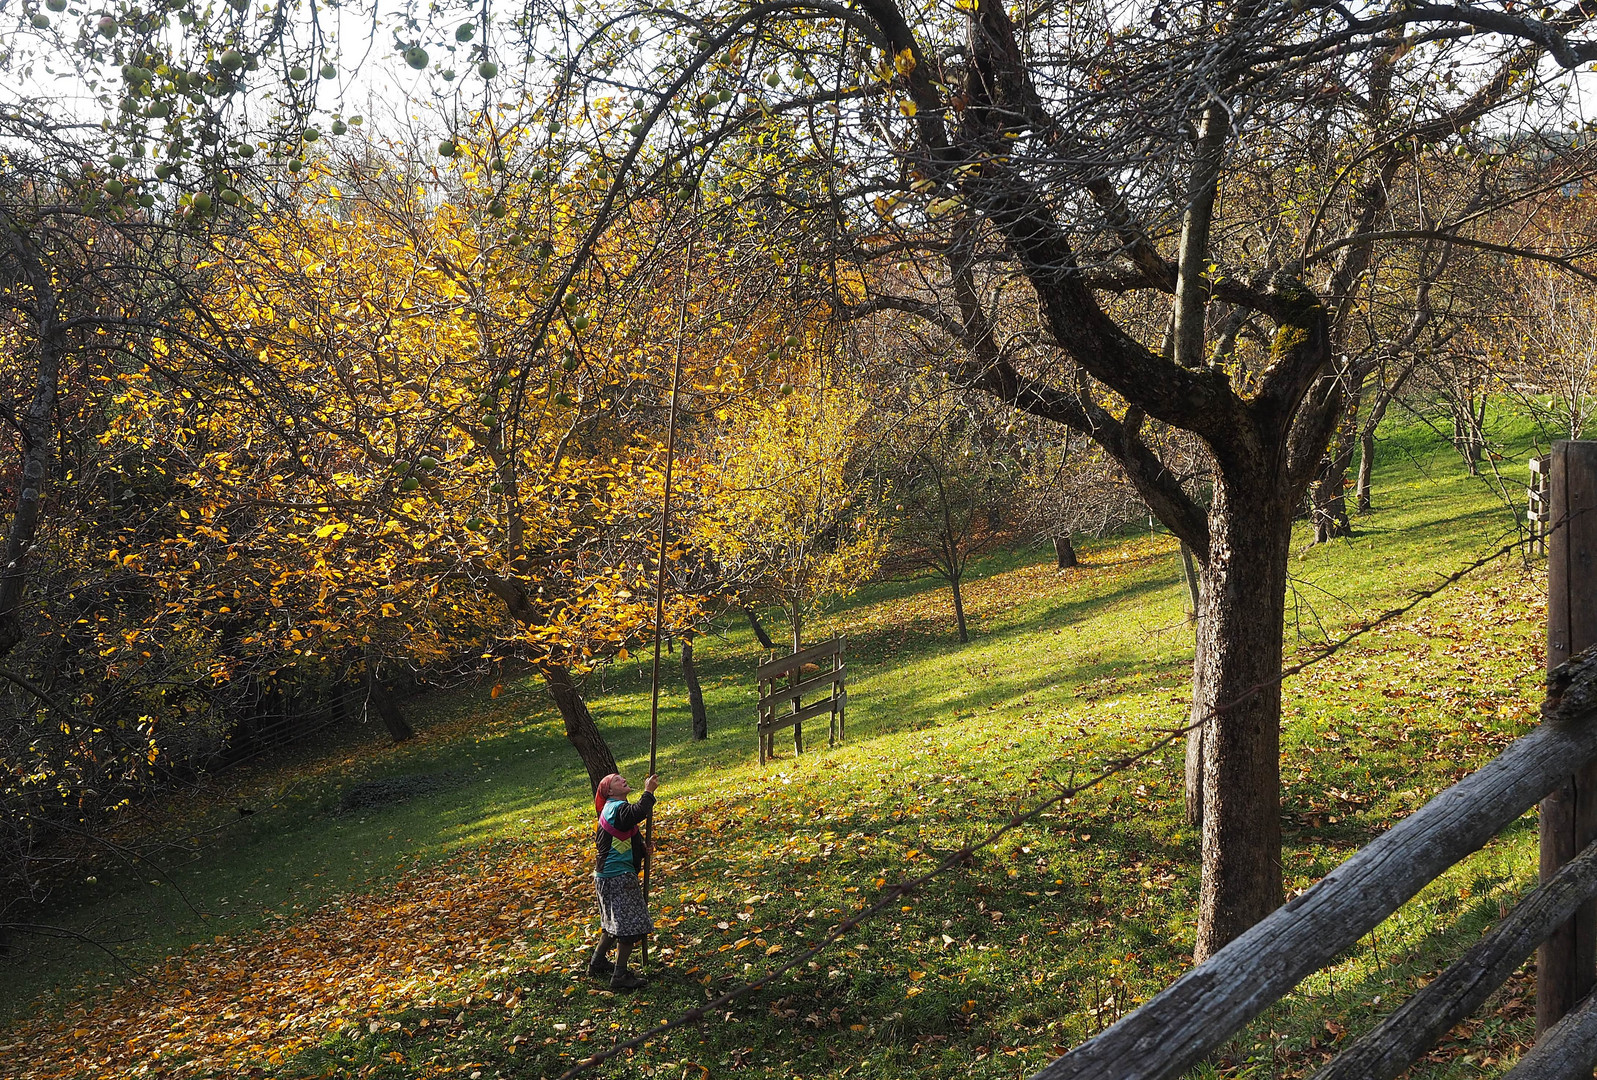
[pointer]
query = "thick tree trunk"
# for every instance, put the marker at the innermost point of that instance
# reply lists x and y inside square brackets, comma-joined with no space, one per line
[1330,485]
[1064,552]
[388,710]
[759,631]
[1194,756]
[581,731]
[690,673]
[1237,687]
[959,610]
[1330,507]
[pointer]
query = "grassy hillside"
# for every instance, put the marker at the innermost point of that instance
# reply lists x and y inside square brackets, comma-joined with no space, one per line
[443,934]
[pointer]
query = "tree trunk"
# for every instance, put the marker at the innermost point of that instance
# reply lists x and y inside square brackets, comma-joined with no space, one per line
[388,710]
[690,673]
[1330,506]
[1330,485]
[959,610]
[797,615]
[1378,407]
[759,631]
[582,732]
[1237,686]
[1194,755]
[1366,467]
[1189,572]
[1064,552]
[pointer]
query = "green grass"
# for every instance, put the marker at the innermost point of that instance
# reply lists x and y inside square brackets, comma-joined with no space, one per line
[1037,946]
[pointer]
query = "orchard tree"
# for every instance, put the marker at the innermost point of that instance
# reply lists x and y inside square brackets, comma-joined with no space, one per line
[1080,166]
[949,479]
[793,518]
[440,475]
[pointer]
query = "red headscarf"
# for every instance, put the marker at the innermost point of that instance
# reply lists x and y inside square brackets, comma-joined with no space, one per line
[601,794]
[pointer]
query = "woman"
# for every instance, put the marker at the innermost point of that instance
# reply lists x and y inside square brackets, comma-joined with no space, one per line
[623,913]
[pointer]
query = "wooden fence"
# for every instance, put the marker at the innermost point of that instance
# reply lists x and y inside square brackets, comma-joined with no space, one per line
[784,684]
[1556,765]
[1536,510]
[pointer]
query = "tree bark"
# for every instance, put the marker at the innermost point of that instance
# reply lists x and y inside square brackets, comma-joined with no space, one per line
[1237,687]
[690,673]
[1366,467]
[959,609]
[759,631]
[1330,485]
[388,710]
[1330,505]
[581,731]
[1064,552]
[1189,572]
[1383,399]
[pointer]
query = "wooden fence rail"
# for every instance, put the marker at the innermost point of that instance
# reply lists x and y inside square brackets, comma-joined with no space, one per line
[1201,1011]
[1565,1052]
[1399,1040]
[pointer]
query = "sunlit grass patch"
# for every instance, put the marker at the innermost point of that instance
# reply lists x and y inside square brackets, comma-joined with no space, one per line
[464,914]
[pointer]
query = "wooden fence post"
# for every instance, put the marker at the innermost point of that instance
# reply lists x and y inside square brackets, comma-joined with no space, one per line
[1566,964]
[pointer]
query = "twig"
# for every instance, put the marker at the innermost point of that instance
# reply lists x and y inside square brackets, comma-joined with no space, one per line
[31,687]
[45,930]
[126,854]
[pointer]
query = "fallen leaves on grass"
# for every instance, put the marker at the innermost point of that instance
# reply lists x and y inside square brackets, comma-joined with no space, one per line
[260,998]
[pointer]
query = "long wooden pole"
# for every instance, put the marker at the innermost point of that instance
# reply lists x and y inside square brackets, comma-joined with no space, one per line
[1566,964]
[659,576]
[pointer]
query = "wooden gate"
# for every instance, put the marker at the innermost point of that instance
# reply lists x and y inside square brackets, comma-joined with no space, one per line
[784,684]
[1537,513]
